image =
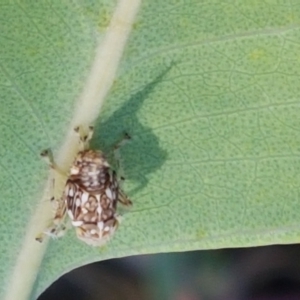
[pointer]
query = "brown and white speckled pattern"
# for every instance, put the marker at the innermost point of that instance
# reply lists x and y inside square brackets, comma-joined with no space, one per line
[91,196]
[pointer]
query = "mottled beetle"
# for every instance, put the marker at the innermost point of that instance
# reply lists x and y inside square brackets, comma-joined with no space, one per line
[91,194]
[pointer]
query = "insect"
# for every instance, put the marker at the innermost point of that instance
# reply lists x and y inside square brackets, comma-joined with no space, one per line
[91,194]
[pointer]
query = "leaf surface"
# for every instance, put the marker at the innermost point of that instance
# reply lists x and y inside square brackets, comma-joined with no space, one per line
[209,92]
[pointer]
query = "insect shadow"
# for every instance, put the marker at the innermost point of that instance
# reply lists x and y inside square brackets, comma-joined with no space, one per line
[142,155]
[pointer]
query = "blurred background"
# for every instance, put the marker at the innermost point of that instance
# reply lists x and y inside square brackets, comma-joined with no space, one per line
[261,273]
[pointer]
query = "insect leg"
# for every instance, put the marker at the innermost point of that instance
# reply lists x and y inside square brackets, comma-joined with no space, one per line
[117,157]
[56,226]
[48,157]
[122,197]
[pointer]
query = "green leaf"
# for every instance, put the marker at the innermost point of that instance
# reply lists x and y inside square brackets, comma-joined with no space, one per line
[209,92]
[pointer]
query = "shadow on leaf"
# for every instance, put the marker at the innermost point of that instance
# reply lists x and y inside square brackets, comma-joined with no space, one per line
[142,155]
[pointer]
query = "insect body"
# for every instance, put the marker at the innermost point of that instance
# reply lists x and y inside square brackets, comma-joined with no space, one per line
[90,197]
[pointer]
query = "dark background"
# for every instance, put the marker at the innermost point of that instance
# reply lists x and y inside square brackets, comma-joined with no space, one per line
[261,273]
